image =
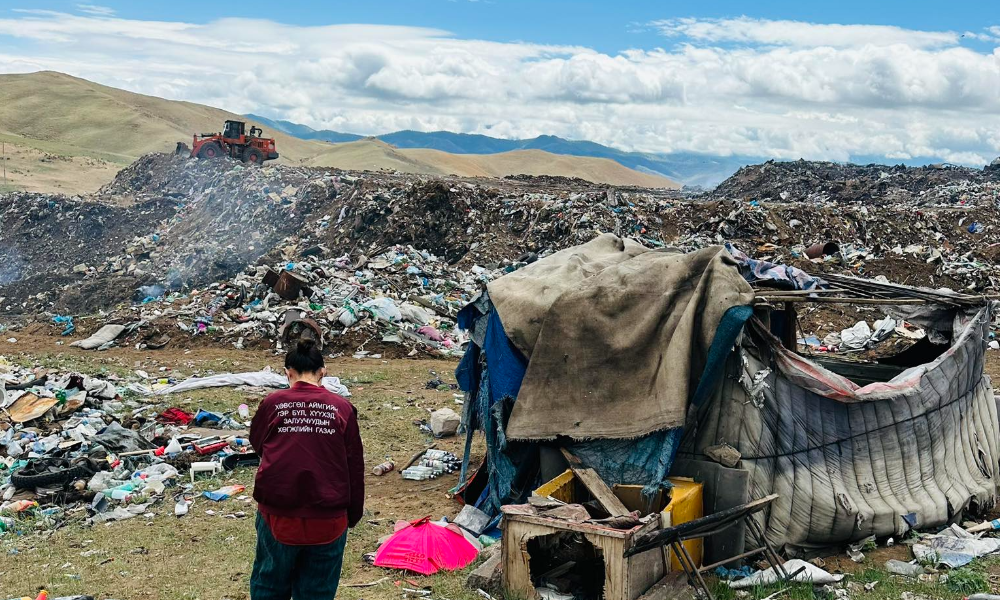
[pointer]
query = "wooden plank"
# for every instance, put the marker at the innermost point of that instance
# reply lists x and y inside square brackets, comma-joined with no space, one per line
[790,333]
[596,486]
[828,300]
[580,527]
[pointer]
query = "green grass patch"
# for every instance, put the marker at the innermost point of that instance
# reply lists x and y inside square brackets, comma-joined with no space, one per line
[366,378]
[967,581]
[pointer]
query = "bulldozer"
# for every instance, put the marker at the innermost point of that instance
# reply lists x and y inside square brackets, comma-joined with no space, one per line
[235,143]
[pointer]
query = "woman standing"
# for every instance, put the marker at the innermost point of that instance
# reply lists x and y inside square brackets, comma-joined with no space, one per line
[310,487]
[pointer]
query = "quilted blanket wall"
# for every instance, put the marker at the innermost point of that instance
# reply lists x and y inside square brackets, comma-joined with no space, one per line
[851,461]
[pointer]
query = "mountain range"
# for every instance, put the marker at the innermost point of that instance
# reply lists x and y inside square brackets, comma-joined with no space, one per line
[689,168]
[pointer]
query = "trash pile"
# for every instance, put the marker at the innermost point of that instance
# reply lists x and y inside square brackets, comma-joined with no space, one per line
[192,248]
[819,181]
[71,444]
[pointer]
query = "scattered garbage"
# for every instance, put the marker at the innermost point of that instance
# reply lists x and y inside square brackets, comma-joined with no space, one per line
[898,567]
[953,547]
[472,520]
[433,464]
[99,446]
[804,572]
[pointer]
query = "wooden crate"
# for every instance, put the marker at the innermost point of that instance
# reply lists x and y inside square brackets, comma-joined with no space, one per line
[684,503]
[624,578]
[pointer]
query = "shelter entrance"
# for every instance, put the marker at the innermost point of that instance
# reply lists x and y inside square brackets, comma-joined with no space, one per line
[566,566]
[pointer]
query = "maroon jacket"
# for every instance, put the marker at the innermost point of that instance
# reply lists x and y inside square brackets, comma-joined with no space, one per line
[311,459]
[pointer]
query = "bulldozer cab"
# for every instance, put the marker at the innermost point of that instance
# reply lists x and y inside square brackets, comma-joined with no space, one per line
[234,130]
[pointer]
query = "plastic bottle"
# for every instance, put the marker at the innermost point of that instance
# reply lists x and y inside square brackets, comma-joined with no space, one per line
[121,494]
[898,567]
[14,449]
[383,468]
[6,524]
[244,411]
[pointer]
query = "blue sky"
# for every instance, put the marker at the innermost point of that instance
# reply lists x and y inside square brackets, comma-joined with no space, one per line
[605,26]
[777,79]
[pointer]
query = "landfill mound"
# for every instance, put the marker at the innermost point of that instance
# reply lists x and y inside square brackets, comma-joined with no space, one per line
[220,250]
[47,241]
[804,181]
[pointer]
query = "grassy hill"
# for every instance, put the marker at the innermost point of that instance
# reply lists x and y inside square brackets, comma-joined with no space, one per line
[372,154]
[689,168]
[86,117]
[69,134]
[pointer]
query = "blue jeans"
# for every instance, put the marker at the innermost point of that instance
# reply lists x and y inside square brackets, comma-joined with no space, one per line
[283,572]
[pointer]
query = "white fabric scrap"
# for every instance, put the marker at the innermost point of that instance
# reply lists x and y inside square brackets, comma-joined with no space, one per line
[954,547]
[104,335]
[265,378]
[810,574]
[856,337]
[832,340]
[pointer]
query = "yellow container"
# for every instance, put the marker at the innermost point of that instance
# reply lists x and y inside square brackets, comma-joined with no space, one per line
[684,503]
[687,503]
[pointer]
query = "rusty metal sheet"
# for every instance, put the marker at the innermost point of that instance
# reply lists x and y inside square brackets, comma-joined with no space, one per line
[29,407]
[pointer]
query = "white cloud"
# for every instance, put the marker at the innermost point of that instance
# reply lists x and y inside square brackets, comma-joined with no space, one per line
[94,9]
[797,33]
[771,88]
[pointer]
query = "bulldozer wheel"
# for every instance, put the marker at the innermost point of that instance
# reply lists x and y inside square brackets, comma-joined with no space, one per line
[210,150]
[253,156]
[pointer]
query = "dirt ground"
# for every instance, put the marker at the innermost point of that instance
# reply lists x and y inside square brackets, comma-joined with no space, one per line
[208,554]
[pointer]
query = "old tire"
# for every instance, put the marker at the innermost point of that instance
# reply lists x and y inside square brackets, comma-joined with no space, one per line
[210,150]
[46,472]
[253,156]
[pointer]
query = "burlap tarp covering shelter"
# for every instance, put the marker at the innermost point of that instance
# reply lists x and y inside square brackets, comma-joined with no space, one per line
[850,461]
[616,335]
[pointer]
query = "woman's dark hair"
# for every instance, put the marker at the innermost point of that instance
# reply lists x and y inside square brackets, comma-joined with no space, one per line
[304,357]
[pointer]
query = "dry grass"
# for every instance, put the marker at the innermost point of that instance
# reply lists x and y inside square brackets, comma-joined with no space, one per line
[539,162]
[371,154]
[75,113]
[74,118]
[35,166]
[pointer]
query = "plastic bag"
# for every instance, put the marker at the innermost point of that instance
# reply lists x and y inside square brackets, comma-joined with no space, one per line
[415,314]
[384,309]
[223,493]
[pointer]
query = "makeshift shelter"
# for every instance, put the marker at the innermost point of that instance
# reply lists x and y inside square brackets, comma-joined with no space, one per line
[573,304]
[632,357]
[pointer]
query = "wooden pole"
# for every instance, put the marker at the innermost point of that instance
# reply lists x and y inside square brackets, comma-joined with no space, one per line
[790,338]
[787,299]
